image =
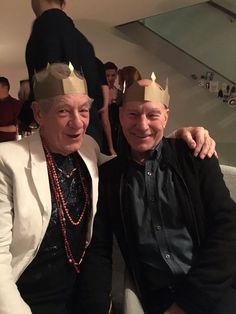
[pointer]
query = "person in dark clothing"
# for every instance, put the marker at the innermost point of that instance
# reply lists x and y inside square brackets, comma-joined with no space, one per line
[25,116]
[9,111]
[115,98]
[55,39]
[99,127]
[171,213]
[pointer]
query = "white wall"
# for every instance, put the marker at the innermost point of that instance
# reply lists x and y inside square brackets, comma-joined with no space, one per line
[204,32]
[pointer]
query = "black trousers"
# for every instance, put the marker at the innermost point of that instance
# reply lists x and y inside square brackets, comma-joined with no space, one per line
[227,305]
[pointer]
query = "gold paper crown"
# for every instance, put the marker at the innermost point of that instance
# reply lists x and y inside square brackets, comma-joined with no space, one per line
[152,92]
[58,79]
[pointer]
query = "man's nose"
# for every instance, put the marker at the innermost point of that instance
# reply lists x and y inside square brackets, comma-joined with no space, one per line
[142,122]
[76,121]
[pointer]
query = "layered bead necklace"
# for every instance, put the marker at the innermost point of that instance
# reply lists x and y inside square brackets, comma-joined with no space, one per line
[63,211]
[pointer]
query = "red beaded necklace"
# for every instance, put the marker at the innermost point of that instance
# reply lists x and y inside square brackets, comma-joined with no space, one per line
[63,211]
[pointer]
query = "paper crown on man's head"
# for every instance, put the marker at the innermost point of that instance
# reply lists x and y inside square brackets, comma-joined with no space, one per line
[152,91]
[58,79]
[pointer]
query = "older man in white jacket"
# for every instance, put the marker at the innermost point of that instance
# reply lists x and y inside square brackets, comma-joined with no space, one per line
[48,182]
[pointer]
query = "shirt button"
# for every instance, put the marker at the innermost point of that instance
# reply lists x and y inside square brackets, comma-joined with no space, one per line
[167,256]
[158,228]
[149,173]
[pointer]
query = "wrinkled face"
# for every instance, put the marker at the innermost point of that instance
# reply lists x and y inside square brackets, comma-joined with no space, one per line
[111,75]
[63,125]
[143,124]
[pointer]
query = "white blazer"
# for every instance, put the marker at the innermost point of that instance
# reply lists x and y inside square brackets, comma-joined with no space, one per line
[25,209]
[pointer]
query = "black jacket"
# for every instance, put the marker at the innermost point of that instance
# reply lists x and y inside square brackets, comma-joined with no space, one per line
[210,216]
[54,38]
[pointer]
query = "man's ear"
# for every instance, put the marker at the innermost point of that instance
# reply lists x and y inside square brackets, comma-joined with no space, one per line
[120,112]
[166,116]
[64,5]
[37,112]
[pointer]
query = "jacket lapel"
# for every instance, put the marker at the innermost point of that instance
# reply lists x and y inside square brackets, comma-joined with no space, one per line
[40,174]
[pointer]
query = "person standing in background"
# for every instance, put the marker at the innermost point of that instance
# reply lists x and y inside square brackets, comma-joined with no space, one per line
[25,117]
[9,111]
[115,98]
[107,145]
[55,39]
[111,74]
[127,75]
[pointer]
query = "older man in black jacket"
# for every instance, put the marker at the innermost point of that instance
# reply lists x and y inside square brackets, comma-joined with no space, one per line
[171,213]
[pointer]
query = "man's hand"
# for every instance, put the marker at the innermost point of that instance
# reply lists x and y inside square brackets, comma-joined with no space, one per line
[112,151]
[174,309]
[198,139]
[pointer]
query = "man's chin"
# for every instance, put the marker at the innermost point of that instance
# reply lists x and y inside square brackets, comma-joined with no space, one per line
[142,148]
[71,148]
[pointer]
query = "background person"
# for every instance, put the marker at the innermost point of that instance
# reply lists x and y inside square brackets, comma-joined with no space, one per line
[54,38]
[115,98]
[127,75]
[115,94]
[103,112]
[25,117]
[9,111]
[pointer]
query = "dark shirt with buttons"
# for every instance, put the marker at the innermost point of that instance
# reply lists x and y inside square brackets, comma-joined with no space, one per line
[162,243]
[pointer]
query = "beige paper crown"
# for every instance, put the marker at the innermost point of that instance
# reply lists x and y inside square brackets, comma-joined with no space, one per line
[58,79]
[152,92]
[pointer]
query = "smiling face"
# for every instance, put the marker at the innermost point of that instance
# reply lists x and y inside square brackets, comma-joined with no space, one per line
[111,75]
[143,124]
[63,121]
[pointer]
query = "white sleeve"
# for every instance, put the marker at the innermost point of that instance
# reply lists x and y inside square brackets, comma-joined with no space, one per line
[11,301]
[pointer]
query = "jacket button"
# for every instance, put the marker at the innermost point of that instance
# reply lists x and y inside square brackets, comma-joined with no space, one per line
[158,228]
[167,256]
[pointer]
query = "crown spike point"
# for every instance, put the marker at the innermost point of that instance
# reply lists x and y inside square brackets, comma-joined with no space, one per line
[71,67]
[124,87]
[153,77]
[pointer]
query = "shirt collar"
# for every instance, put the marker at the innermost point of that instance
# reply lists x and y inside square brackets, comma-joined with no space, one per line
[154,154]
